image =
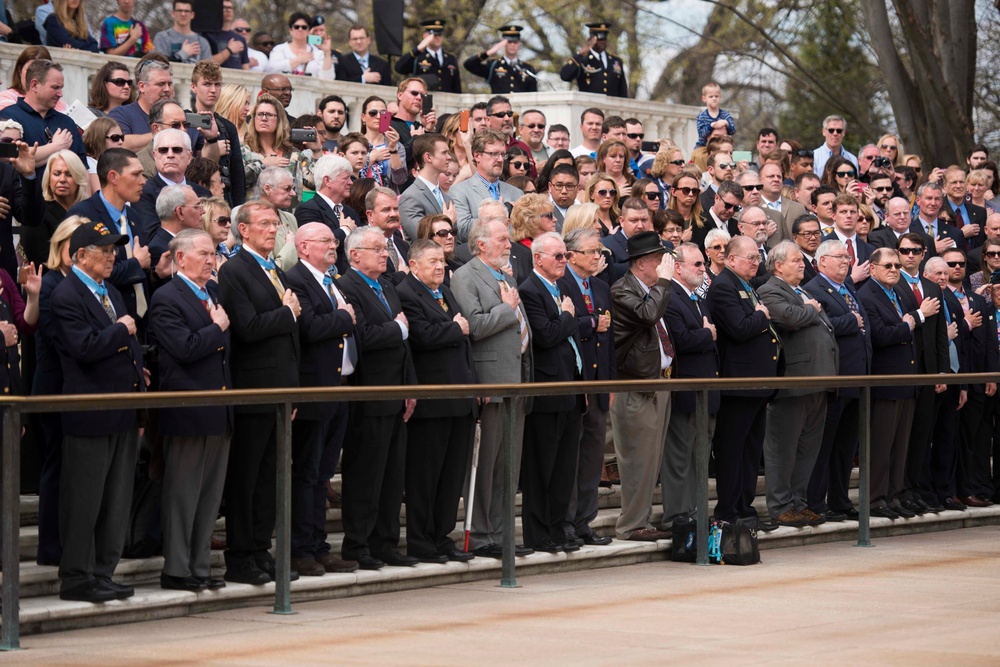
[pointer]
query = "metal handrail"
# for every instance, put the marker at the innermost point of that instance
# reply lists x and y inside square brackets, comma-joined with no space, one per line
[13,407]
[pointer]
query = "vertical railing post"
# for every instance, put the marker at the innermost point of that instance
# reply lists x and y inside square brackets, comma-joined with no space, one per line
[701,452]
[864,467]
[10,634]
[283,546]
[507,577]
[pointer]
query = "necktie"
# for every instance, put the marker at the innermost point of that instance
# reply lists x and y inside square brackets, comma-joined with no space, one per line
[763,255]
[930,230]
[328,283]
[440,299]
[586,297]
[827,231]
[521,323]
[604,59]
[381,297]
[338,212]
[140,294]
[668,345]
[916,292]
[106,304]
[959,218]
[393,255]
[815,266]
[850,251]
[895,302]
[756,302]
[697,304]
[952,346]
[495,190]
[438,197]
[207,304]
[851,303]
[801,294]
[272,273]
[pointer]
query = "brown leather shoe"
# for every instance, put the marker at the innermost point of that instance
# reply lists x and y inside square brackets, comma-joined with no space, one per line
[649,535]
[973,501]
[611,469]
[812,518]
[218,543]
[333,564]
[308,567]
[792,519]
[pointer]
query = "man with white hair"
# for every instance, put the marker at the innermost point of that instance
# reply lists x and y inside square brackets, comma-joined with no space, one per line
[177,208]
[501,349]
[276,185]
[172,154]
[332,175]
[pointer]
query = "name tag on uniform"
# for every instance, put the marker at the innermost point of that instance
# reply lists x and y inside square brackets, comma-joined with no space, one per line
[744,295]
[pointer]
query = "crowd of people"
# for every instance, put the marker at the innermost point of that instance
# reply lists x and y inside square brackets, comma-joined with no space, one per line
[232,246]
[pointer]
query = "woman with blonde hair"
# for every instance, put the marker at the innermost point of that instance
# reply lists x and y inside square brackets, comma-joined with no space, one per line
[978,182]
[532,216]
[460,144]
[669,162]
[890,147]
[439,228]
[218,222]
[234,106]
[582,216]
[612,159]
[63,184]
[268,142]
[603,191]
[67,27]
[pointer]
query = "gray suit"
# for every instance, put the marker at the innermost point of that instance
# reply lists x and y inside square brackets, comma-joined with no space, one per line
[416,202]
[795,417]
[467,196]
[496,351]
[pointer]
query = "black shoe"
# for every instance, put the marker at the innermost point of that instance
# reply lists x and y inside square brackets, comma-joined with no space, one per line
[368,562]
[246,572]
[548,546]
[570,543]
[396,559]
[121,591]
[884,512]
[92,591]
[903,512]
[766,525]
[935,508]
[852,514]
[592,539]
[266,565]
[914,506]
[212,584]
[192,584]
[492,550]
[440,559]
[521,550]
[834,516]
[458,555]
[953,504]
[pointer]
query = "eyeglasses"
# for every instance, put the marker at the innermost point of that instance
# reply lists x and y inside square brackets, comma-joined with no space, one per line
[495,155]
[444,233]
[910,251]
[715,247]
[754,259]
[839,258]
[731,207]
[176,150]
[519,164]
[379,250]
[549,215]
[373,113]
[199,205]
[754,188]
[121,83]
[892,266]
[115,137]
[107,251]
[535,126]
[241,29]
[299,26]
[223,221]
[846,174]
[265,115]
[652,196]
[835,130]
[726,165]
[563,186]
[762,223]
[883,189]
[283,188]
[558,256]
[636,135]
[606,193]
[992,254]
[889,147]
[956,265]
[810,235]
[179,125]
[688,191]
[502,114]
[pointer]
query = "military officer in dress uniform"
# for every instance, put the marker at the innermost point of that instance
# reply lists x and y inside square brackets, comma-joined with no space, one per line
[594,68]
[429,61]
[506,73]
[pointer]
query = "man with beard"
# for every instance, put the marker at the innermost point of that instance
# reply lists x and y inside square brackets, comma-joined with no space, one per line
[501,117]
[279,86]
[333,110]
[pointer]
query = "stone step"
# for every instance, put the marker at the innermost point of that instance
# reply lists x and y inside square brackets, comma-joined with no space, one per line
[48,613]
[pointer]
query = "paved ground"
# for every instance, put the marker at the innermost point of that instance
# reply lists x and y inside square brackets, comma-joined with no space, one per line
[931,599]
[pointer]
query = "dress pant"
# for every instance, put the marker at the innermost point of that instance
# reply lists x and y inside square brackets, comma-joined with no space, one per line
[589,466]
[194,474]
[678,484]
[250,487]
[972,473]
[373,471]
[639,421]
[95,498]
[831,475]
[49,548]
[437,453]
[942,461]
[487,509]
[916,482]
[993,430]
[792,440]
[738,446]
[890,437]
[313,443]
[548,472]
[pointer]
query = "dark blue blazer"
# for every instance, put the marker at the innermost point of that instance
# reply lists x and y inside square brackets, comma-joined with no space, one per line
[618,265]
[317,210]
[10,188]
[747,347]
[964,340]
[554,359]
[977,216]
[323,330]
[893,349]
[384,358]
[442,354]
[98,356]
[522,261]
[862,251]
[597,348]
[945,230]
[126,272]
[194,356]
[48,369]
[265,335]
[931,336]
[696,353]
[983,355]
[348,68]
[145,208]
[853,344]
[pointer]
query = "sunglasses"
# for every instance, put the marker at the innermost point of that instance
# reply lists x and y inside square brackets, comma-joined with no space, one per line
[652,196]
[121,83]
[373,113]
[176,150]
[888,147]
[503,114]
[223,221]
[299,26]
[688,191]
[265,44]
[115,137]
[890,265]
[535,126]
[558,256]
[636,135]
[883,189]
[803,152]
[180,125]
[916,169]
[955,265]
[835,130]
[606,193]
[7,140]
[715,247]
[679,163]
[444,233]
[993,254]
[548,215]
[726,165]
[910,251]
[846,174]
[242,29]
[731,207]
[754,188]
[519,164]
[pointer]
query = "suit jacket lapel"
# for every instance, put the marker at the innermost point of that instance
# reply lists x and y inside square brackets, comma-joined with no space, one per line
[187,295]
[92,304]
[257,271]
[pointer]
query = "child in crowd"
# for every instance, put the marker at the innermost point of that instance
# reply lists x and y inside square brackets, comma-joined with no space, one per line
[712,116]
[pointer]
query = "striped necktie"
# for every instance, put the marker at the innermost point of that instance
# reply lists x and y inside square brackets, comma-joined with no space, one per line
[140,293]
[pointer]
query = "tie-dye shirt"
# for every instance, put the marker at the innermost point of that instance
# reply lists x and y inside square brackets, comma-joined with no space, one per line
[114,32]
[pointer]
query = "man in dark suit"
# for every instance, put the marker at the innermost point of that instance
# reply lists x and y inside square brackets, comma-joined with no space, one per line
[332,174]
[694,335]
[11,208]
[265,353]
[172,155]
[98,351]
[563,183]
[121,179]
[635,218]
[592,302]
[374,453]
[930,199]
[594,68]
[807,236]
[831,475]
[329,355]
[893,354]
[430,62]
[424,196]
[896,223]
[192,332]
[721,214]
[988,442]
[552,428]
[440,432]
[795,417]
[845,230]
[382,211]
[361,65]
[178,208]
[992,232]
[748,347]
[968,219]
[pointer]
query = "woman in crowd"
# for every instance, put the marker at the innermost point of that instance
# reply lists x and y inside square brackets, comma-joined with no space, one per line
[545,171]
[48,380]
[715,250]
[523,183]
[669,225]
[979,182]
[234,106]
[63,183]
[889,146]
[669,162]
[268,142]
[356,198]
[298,56]
[386,156]
[914,161]
[867,221]
[355,148]
[460,144]
[603,191]
[647,189]
[66,27]
[586,168]
[18,85]
[685,198]
[205,173]
[515,163]
[841,175]
[582,216]
[449,176]
[980,280]
[102,134]
[438,227]
[531,217]
[218,222]
[612,159]
[112,87]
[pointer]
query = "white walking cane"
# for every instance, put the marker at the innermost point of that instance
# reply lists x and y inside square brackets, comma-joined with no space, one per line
[472,484]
